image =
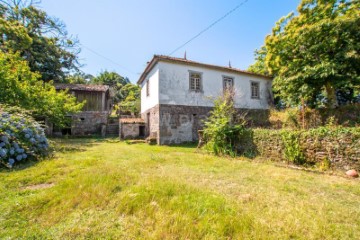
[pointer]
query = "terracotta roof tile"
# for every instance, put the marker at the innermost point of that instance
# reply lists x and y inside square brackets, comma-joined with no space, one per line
[82,87]
[132,120]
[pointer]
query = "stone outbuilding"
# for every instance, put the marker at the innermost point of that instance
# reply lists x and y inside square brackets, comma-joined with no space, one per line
[131,128]
[94,116]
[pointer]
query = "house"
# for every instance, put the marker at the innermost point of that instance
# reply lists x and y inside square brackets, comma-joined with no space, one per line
[177,94]
[95,112]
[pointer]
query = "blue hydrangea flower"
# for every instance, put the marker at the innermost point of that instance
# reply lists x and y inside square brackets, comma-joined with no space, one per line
[2,153]
[11,161]
[12,151]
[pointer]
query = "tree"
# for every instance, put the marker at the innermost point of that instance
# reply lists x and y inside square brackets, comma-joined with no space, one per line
[115,81]
[317,50]
[112,79]
[130,98]
[22,88]
[79,78]
[259,66]
[41,40]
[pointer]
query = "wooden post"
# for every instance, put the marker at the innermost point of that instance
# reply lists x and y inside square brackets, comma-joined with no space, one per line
[303,112]
[103,102]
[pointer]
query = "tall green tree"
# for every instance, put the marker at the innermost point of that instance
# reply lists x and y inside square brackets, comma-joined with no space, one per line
[113,79]
[40,39]
[79,78]
[130,102]
[259,66]
[316,50]
[23,88]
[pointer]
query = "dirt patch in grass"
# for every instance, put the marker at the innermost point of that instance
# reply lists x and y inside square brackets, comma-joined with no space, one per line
[39,186]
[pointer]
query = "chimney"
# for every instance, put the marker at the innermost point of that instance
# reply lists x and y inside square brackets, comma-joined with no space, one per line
[230,64]
[185,56]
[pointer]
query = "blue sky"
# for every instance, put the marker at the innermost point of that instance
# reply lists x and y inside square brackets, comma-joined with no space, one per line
[130,32]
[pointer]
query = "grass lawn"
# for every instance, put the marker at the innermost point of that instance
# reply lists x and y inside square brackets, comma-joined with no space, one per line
[107,189]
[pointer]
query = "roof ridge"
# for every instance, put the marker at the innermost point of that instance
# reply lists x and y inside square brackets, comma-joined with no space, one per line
[183,60]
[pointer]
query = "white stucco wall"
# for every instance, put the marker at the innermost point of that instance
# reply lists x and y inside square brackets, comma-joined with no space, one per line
[174,87]
[152,100]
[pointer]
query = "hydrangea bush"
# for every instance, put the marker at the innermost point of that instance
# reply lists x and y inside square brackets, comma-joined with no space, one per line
[21,138]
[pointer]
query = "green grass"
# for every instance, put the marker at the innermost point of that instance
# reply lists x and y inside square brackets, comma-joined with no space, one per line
[105,189]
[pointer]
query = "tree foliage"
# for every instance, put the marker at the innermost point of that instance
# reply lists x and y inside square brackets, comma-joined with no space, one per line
[316,51]
[79,78]
[41,40]
[131,98]
[23,88]
[259,66]
[113,79]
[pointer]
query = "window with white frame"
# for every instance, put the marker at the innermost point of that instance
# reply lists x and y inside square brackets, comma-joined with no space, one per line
[148,88]
[255,90]
[228,83]
[195,81]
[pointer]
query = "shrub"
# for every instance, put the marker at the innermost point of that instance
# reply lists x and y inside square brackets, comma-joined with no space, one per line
[21,138]
[222,129]
[293,151]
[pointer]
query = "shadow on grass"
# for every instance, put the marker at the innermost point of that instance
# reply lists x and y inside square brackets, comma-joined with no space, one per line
[72,144]
[19,166]
[185,145]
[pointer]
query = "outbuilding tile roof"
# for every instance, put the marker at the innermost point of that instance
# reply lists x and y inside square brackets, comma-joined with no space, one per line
[82,87]
[132,120]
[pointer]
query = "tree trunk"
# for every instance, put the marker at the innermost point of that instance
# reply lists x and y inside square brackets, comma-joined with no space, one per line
[331,95]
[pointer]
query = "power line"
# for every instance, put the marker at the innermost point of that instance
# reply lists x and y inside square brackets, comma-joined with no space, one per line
[108,59]
[210,26]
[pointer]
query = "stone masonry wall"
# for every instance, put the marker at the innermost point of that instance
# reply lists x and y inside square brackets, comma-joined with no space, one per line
[340,147]
[87,123]
[151,118]
[181,123]
[130,130]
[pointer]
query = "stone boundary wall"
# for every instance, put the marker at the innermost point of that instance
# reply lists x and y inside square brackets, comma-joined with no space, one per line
[340,147]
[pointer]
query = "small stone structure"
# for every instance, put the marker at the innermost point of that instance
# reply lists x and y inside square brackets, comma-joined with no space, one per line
[95,113]
[131,128]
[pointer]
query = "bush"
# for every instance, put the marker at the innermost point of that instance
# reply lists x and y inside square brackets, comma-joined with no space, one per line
[21,138]
[222,129]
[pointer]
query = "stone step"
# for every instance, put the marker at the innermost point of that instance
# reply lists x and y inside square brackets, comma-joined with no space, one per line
[112,130]
[112,127]
[115,132]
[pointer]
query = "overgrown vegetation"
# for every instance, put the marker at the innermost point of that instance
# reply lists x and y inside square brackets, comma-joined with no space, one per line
[22,88]
[314,55]
[293,151]
[21,137]
[324,148]
[307,118]
[223,127]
